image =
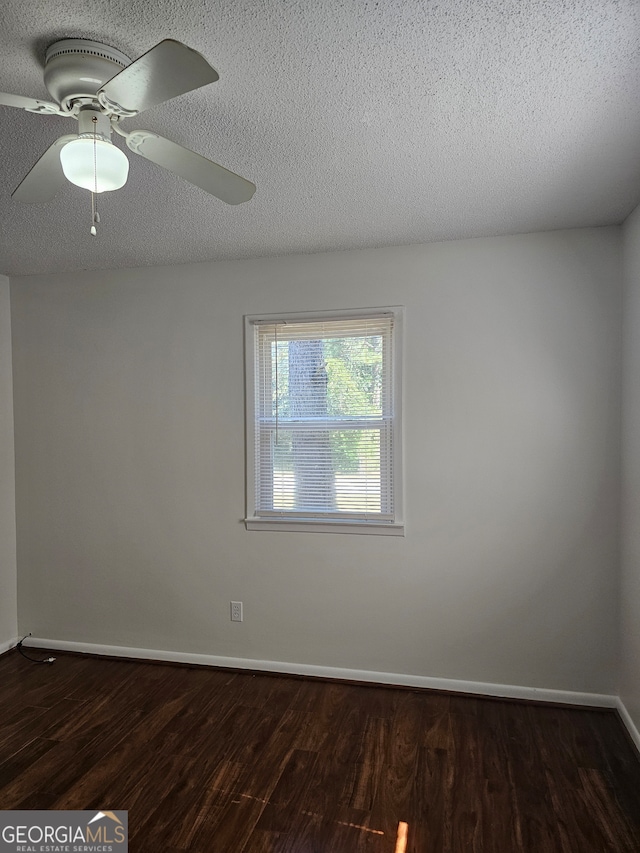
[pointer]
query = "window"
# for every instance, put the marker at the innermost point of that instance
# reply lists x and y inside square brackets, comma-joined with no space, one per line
[323,422]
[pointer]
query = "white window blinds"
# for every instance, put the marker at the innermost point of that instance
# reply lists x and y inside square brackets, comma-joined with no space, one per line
[324,418]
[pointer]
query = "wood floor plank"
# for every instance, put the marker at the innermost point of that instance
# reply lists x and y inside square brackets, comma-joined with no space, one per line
[494,779]
[370,763]
[210,760]
[20,761]
[609,817]
[430,815]
[288,796]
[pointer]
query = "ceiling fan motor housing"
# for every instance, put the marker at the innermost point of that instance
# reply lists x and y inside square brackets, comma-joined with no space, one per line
[75,69]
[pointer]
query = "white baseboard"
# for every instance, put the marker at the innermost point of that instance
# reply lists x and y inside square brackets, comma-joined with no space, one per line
[8,644]
[628,722]
[507,691]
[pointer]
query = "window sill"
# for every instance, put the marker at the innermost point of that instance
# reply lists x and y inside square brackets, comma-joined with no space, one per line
[289,525]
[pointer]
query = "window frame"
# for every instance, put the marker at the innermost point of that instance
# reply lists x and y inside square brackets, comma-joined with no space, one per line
[271,520]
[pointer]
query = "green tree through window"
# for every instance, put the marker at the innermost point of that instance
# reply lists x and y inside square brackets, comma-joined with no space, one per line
[324,418]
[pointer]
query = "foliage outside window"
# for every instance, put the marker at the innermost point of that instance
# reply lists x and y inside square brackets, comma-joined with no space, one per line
[323,414]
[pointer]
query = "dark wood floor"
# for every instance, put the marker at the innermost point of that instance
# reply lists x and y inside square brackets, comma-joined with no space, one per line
[207,760]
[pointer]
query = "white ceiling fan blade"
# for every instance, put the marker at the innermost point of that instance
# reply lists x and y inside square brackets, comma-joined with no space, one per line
[46,178]
[194,168]
[167,70]
[32,105]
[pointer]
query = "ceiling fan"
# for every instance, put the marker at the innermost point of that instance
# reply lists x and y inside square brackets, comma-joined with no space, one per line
[98,86]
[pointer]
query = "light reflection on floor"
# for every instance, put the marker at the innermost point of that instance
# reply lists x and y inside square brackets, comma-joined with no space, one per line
[346,823]
[401,840]
[401,836]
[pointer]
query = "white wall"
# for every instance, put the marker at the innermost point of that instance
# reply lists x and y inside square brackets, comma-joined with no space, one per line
[130,464]
[8,587]
[630,581]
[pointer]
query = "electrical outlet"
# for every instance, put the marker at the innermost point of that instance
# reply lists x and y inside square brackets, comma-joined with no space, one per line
[236,611]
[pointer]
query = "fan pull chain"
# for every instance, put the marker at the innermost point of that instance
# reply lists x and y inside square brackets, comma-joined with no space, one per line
[95,216]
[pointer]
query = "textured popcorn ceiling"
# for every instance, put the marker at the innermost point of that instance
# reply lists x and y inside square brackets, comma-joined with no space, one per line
[362,123]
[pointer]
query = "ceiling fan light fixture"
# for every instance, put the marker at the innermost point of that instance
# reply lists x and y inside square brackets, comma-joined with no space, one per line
[94,164]
[97,85]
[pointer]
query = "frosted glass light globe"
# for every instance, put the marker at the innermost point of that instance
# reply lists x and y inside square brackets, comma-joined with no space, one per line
[82,164]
